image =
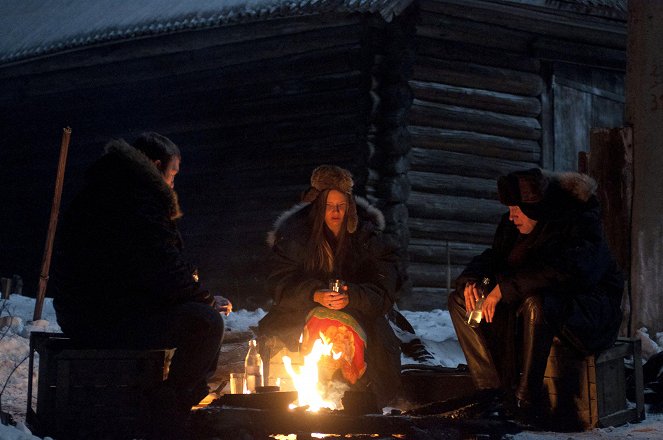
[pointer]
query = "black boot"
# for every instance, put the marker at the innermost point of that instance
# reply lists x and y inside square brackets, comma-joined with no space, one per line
[537,340]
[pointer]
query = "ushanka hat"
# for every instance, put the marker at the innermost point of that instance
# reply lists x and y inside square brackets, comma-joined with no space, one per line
[326,177]
[528,189]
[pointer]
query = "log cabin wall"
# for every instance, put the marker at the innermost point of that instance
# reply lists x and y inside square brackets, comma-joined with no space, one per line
[491,96]
[254,107]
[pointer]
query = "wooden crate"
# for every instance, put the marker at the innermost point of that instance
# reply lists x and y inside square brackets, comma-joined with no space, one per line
[91,393]
[423,385]
[590,391]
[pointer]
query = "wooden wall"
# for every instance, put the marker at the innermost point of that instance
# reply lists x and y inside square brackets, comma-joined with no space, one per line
[253,107]
[475,116]
[497,88]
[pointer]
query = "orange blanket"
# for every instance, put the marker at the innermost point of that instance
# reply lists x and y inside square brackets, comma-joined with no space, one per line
[347,337]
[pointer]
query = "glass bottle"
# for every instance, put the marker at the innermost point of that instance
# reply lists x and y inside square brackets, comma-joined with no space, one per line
[476,315]
[253,367]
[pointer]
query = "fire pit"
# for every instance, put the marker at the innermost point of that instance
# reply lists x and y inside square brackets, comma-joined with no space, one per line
[231,423]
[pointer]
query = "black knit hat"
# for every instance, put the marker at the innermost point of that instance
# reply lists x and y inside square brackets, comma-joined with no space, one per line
[526,189]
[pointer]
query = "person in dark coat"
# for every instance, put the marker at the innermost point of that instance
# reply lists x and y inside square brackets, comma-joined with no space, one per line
[551,272]
[121,280]
[335,235]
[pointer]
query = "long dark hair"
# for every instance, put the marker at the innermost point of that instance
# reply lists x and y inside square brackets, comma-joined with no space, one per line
[326,251]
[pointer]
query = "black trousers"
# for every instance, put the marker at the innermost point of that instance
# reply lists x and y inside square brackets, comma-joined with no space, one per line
[497,354]
[195,330]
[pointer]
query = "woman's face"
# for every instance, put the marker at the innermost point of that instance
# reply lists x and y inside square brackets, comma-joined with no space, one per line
[337,205]
[524,224]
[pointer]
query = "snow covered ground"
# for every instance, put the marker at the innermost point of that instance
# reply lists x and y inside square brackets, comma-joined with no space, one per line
[433,327]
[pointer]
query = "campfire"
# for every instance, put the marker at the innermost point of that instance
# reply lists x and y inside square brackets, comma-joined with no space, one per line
[311,391]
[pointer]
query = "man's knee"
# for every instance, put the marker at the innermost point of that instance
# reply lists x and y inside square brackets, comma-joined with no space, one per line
[532,309]
[201,318]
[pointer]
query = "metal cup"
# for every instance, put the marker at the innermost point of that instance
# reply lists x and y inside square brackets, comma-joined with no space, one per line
[336,284]
[237,383]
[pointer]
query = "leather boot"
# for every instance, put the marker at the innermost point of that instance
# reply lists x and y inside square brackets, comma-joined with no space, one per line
[537,340]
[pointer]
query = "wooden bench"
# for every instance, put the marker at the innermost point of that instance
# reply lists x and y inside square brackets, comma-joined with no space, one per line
[585,392]
[91,393]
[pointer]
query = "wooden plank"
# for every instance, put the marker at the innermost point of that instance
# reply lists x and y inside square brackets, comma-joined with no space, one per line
[479,233]
[578,53]
[477,53]
[475,143]
[497,102]
[435,251]
[451,207]
[478,76]
[180,42]
[432,275]
[436,183]
[215,58]
[580,27]
[436,25]
[461,118]
[446,162]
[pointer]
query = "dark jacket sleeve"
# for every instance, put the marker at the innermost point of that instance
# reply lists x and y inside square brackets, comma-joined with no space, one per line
[289,283]
[379,277]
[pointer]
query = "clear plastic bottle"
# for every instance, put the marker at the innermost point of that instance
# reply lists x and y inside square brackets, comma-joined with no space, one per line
[253,367]
[475,316]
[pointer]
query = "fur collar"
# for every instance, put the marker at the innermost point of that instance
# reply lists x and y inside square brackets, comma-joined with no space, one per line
[366,212]
[579,186]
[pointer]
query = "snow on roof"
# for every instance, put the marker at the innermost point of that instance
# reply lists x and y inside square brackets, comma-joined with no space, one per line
[30,28]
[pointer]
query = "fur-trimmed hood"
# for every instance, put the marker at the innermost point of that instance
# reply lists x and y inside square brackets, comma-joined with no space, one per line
[542,194]
[365,211]
[138,165]
[579,186]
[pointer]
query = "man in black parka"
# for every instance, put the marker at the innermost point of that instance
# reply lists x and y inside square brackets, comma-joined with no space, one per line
[121,280]
[551,272]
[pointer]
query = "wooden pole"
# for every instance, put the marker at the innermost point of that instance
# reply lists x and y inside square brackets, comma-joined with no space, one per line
[52,224]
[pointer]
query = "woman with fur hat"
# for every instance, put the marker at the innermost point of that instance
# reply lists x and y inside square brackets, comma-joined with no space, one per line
[330,235]
[551,273]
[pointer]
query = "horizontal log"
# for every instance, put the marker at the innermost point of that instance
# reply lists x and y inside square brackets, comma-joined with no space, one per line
[467,209]
[461,118]
[451,30]
[433,275]
[477,76]
[431,250]
[479,144]
[575,27]
[479,233]
[280,133]
[496,102]
[576,53]
[233,82]
[434,183]
[476,53]
[447,162]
